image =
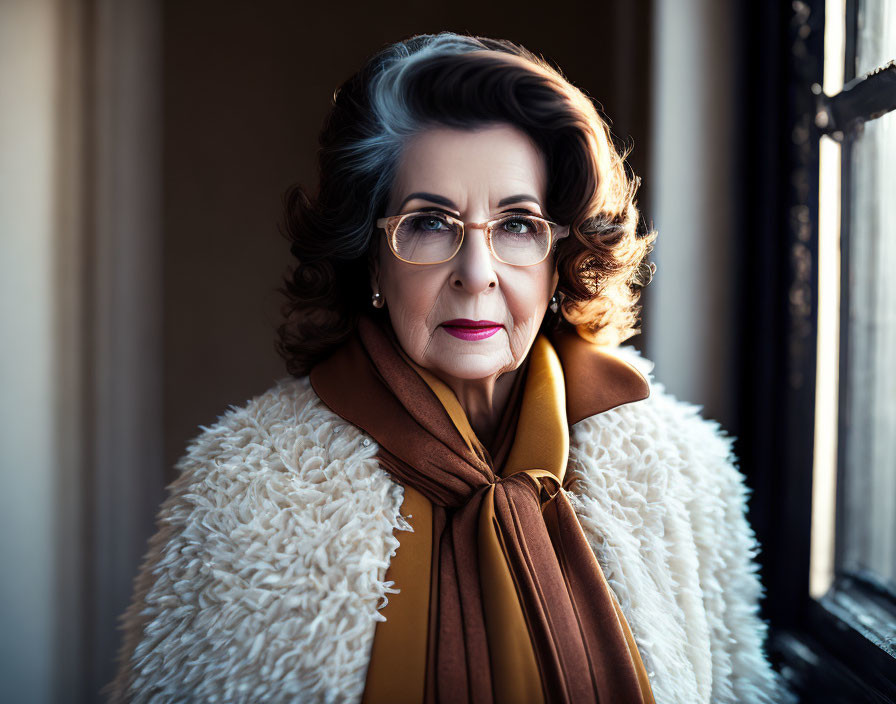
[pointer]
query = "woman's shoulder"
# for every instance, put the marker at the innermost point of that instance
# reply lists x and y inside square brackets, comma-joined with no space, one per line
[271,419]
[269,557]
[657,475]
[663,503]
[284,431]
[281,461]
[660,431]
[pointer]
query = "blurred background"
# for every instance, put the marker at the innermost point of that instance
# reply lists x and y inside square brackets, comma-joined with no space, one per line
[146,147]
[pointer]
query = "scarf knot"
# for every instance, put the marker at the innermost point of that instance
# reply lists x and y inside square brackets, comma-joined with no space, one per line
[544,483]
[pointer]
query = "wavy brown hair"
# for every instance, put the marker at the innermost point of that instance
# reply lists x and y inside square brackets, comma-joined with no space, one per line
[465,82]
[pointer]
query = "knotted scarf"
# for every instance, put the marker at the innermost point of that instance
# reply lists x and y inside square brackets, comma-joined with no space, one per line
[501,598]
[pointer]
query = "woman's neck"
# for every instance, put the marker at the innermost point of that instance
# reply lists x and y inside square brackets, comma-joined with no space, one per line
[484,401]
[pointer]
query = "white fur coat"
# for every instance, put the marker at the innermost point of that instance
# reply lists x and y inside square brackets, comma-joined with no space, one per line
[264,578]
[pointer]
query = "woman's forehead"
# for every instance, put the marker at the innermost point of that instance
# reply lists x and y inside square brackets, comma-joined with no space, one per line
[459,166]
[487,148]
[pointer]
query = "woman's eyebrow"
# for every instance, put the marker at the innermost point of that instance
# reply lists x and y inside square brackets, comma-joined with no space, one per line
[441,200]
[519,198]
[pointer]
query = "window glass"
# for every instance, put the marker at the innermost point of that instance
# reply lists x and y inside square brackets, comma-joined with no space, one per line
[869,480]
[876,34]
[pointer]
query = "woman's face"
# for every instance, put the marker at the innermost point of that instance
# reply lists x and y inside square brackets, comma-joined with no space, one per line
[474,176]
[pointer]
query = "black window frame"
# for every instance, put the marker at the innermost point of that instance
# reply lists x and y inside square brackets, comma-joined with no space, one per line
[828,649]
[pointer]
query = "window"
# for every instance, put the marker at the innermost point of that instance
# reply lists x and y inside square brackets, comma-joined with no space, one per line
[835,633]
[868,542]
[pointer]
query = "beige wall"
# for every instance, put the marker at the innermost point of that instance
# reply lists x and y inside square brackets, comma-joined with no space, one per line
[689,327]
[80,292]
[29,306]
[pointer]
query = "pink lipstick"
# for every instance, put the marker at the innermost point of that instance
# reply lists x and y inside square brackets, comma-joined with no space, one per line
[466,329]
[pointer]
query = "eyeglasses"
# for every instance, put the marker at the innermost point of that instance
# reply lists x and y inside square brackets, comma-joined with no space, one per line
[433,238]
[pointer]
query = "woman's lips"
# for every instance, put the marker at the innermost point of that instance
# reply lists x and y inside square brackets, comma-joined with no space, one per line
[471,329]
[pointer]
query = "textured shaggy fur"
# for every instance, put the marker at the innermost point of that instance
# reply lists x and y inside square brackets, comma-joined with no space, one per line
[264,578]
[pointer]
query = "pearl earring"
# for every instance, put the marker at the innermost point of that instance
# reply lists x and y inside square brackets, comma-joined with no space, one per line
[377,300]
[555,304]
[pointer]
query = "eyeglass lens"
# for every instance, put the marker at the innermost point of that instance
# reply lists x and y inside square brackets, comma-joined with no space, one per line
[427,238]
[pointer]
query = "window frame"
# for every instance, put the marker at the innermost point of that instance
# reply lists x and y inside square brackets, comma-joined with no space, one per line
[835,648]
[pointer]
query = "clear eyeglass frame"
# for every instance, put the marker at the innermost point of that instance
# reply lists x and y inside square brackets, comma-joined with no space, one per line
[390,223]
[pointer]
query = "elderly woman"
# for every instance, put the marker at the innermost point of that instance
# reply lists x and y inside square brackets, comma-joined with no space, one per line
[466,490]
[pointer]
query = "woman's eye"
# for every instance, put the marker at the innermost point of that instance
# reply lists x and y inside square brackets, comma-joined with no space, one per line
[519,226]
[430,222]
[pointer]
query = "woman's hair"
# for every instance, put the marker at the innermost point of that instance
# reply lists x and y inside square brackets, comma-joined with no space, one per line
[466,82]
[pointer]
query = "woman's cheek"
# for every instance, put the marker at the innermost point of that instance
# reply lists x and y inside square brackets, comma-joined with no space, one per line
[521,337]
[414,315]
[412,329]
[527,316]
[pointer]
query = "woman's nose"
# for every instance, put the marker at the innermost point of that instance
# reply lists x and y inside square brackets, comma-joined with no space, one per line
[474,269]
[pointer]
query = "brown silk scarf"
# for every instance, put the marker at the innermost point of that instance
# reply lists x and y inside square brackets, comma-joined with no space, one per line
[501,598]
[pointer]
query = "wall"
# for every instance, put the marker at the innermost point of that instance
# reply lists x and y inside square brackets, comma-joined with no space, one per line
[690,330]
[29,421]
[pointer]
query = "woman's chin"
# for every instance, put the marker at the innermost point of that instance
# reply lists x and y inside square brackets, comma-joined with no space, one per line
[470,359]
[470,365]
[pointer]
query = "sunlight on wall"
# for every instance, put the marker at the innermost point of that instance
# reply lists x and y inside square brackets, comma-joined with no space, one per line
[688,320]
[28,454]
